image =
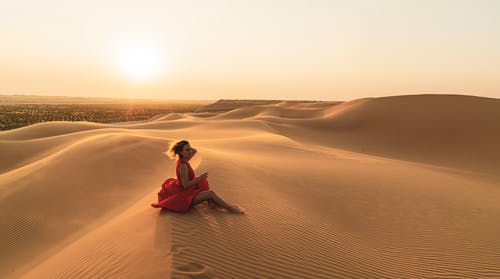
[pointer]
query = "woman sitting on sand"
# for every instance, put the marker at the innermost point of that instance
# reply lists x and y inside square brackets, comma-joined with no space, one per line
[179,194]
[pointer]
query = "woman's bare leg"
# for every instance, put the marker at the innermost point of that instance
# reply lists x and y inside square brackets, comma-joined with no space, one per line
[211,203]
[211,195]
[202,196]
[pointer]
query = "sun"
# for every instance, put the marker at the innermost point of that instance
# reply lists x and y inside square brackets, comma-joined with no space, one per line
[139,61]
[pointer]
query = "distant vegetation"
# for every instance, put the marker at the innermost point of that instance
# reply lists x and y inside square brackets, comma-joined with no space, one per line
[18,115]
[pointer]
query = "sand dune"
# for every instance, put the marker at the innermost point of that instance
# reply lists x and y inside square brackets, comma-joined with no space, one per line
[394,187]
[450,130]
[48,129]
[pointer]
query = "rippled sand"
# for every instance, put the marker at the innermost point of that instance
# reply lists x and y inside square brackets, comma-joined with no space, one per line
[401,187]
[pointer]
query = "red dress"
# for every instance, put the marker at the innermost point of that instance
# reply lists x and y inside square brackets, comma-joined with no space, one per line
[173,196]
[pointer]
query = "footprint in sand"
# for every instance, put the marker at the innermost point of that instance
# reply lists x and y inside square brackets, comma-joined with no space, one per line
[177,249]
[192,270]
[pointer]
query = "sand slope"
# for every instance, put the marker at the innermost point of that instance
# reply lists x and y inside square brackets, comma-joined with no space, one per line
[402,187]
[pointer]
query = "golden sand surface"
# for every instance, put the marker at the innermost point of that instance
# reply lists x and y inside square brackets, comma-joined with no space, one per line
[390,187]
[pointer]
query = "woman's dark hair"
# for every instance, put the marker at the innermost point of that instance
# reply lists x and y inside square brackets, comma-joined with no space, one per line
[175,149]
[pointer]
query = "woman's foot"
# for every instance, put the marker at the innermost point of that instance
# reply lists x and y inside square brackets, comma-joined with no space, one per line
[234,209]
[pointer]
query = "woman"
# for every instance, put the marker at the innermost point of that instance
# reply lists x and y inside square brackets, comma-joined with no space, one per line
[179,194]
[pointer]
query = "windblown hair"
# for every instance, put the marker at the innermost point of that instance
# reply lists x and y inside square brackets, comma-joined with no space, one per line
[174,150]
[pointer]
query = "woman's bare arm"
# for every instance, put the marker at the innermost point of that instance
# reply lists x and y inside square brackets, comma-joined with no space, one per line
[183,171]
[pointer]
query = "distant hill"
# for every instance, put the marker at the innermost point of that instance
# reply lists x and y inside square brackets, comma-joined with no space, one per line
[230,104]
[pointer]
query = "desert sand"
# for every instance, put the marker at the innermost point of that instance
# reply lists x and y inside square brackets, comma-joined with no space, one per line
[391,187]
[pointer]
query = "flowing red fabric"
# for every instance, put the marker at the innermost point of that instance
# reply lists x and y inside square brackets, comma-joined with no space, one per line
[173,196]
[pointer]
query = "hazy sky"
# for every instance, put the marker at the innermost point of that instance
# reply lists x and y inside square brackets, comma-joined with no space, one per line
[308,50]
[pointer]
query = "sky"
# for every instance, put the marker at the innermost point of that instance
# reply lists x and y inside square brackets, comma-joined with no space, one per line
[289,50]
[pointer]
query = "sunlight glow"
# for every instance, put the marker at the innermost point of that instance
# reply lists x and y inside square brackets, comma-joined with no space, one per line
[139,61]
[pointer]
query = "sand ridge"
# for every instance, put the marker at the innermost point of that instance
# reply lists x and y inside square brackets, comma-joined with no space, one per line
[402,186]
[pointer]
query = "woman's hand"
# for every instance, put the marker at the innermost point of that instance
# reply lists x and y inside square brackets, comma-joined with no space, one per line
[203,176]
[199,178]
